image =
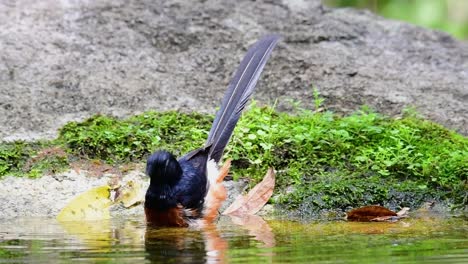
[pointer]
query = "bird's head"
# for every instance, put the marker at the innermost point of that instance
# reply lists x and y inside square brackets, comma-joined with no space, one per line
[163,168]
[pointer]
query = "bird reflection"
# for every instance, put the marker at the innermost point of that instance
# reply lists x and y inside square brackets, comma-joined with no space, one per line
[203,244]
[185,245]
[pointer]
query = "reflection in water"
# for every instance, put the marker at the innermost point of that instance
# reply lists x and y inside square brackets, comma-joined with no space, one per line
[183,245]
[174,245]
[257,227]
[93,234]
[245,240]
[203,244]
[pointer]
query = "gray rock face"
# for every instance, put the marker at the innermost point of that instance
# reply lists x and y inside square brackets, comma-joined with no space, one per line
[66,60]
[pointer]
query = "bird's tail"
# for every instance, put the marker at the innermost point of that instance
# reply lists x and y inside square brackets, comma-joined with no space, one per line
[237,95]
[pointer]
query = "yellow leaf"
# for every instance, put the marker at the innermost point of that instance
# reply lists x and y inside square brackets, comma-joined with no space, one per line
[130,194]
[91,205]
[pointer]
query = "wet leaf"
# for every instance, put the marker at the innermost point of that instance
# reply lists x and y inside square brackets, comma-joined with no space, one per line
[368,213]
[91,205]
[403,213]
[255,199]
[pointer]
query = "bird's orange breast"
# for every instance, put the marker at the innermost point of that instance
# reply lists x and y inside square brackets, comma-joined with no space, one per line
[171,217]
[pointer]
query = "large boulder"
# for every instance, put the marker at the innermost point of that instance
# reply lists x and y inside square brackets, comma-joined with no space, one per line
[67,60]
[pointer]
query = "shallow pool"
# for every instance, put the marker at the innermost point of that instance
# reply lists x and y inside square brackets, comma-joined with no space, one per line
[234,240]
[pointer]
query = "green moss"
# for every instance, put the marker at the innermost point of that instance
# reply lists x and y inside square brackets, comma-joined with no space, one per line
[342,162]
[31,159]
[323,160]
[10,254]
[116,141]
[13,155]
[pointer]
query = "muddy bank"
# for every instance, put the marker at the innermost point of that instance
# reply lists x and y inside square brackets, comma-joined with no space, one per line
[67,60]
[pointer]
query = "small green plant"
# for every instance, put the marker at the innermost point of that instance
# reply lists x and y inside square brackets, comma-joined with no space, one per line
[318,100]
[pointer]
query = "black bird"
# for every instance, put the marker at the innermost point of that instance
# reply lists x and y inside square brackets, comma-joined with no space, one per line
[189,188]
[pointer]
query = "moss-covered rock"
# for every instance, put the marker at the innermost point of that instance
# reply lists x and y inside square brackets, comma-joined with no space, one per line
[323,161]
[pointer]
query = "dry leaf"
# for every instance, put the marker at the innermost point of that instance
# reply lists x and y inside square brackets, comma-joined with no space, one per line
[369,213]
[255,199]
[91,205]
[403,213]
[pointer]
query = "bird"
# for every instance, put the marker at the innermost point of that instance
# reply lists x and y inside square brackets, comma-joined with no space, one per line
[189,189]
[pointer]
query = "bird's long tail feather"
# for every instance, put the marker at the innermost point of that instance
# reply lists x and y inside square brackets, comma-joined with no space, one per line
[237,95]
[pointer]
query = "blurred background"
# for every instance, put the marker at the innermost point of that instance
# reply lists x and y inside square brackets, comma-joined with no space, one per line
[450,16]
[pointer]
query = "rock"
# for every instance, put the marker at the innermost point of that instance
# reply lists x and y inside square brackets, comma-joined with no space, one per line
[67,60]
[44,196]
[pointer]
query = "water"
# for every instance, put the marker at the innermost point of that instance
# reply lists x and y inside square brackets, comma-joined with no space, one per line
[249,240]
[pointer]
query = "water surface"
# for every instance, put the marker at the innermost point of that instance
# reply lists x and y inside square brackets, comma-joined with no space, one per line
[248,240]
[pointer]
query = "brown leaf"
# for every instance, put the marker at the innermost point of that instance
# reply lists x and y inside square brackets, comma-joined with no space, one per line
[255,199]
[368,213]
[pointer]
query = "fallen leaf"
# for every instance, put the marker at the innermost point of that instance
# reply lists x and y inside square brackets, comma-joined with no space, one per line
[403,213]
[255,199]
[368,213]
[91,205]
[129,194]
